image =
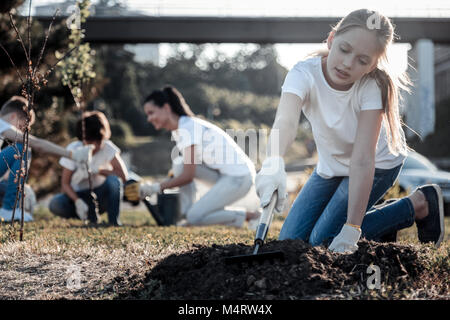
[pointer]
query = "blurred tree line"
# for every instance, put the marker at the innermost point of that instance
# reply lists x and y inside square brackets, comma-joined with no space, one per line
[237,92]
[128,82]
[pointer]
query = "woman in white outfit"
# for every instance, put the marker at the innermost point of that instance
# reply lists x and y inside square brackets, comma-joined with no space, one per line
[208,154]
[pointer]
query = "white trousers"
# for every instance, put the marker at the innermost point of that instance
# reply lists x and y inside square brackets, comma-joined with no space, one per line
[210,208]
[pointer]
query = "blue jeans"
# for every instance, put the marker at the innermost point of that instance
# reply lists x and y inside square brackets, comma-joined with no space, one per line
[320,210]
[9,162]
[108,194]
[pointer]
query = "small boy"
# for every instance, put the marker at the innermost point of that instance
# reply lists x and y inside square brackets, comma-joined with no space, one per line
[12,123]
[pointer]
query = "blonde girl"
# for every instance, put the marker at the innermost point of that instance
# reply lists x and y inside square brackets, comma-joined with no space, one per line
[351,98]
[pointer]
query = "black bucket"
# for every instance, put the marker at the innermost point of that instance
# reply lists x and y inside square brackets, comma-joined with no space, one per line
[167,211]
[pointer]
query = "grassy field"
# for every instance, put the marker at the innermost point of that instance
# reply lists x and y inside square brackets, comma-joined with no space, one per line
[63,259]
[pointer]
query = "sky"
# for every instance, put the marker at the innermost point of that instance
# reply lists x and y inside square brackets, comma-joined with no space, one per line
[289,54]
[291,7]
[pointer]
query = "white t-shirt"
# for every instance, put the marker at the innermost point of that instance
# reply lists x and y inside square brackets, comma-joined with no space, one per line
[215,148]
[101,159]
[333,115]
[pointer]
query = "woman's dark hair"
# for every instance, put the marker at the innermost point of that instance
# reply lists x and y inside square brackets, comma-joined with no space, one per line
[96,127]
[173,97]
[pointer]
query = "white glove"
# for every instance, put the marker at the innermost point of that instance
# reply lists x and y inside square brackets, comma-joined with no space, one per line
[82,209]
[82,154]
[271,177]
[30,199]
[81,174]
[146,189]
[345,241]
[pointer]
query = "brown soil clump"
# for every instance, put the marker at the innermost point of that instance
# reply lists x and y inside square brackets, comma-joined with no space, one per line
[306,273]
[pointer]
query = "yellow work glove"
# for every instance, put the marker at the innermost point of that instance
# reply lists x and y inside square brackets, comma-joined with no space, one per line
[137,191]
[131,191]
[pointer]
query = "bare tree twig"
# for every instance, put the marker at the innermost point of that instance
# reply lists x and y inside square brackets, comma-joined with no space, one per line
[41,54]
[19,36]
[29,29]
[62,58]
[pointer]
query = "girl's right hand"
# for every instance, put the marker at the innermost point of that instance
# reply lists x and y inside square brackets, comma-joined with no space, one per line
[272,177]
[81,209]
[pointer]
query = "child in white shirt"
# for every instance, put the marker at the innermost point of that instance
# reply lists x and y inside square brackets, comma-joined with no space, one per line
[351,100]
[108,173]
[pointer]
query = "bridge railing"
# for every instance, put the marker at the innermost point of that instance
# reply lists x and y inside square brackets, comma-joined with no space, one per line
[250,8]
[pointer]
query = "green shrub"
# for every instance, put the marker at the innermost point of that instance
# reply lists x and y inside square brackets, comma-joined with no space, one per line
[244,106]
[121,133]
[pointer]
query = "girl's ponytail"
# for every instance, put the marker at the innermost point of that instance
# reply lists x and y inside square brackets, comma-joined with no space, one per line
[390,97]
[173,98]
[177,102]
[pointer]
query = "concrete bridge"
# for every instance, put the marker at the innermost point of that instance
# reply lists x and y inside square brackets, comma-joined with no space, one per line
[148,29]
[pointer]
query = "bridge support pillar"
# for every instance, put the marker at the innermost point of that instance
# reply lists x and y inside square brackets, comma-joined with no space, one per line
[420,105]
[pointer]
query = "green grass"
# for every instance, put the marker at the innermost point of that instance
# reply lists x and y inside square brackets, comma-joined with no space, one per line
[138,226]
[37,268]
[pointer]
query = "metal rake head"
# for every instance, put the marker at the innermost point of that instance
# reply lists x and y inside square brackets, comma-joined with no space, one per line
[259,258]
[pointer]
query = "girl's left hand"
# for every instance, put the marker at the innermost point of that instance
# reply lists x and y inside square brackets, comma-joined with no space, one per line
[346,240]
[272,178]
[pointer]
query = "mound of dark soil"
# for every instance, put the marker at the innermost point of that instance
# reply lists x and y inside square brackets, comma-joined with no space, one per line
[306,272]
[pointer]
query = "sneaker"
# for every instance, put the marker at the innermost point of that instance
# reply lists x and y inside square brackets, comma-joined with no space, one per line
[389,237]
[6,215]
[182,223]
[116,223]
[431,228]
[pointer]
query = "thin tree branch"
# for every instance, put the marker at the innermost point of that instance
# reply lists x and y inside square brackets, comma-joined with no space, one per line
[62,58]
[41,54]
[29,29]
[19,36]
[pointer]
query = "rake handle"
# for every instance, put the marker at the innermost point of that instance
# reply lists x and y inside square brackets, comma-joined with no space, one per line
[257,245]
[265,220]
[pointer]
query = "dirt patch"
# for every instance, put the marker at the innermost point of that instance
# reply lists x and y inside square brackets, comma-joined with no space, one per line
[306,273]
[55,271]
